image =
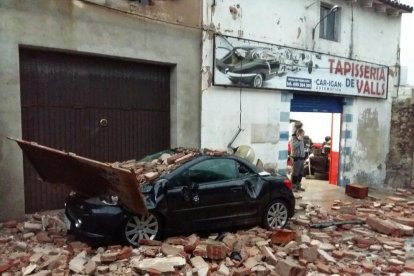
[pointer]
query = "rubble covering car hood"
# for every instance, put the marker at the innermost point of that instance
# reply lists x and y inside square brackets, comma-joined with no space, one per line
[85,176]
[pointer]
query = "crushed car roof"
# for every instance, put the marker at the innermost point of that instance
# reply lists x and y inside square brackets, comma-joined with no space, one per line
[93,178]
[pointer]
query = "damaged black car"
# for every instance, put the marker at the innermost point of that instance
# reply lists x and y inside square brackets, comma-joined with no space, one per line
[204,193]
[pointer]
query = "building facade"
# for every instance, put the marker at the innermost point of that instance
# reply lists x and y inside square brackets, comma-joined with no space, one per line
[118,79]
[109,80]
[340,57]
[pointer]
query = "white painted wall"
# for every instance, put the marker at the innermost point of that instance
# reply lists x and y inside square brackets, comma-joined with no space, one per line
[373,37]
[316,125]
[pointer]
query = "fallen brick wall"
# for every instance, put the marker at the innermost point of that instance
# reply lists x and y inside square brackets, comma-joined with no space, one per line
[39,246]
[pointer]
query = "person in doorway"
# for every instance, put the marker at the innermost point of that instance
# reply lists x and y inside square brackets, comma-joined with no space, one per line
[307,141]
[298,156]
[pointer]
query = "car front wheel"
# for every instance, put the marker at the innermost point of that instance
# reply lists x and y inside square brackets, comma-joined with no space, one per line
[258,81]
[276,215]
[137,227]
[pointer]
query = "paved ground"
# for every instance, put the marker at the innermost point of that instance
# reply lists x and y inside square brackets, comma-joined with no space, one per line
[320,192]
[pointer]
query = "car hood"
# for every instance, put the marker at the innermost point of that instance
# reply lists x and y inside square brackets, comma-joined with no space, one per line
[85,176]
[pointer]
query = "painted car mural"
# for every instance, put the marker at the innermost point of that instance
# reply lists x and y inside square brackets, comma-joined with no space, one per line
[252,66]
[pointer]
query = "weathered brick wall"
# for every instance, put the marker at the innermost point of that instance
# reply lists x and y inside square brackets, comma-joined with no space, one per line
[400,169]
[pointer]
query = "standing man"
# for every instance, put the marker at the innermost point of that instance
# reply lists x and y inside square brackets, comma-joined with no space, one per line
[298,156]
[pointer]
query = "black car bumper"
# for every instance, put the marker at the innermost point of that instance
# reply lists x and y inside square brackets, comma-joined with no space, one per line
[92,218]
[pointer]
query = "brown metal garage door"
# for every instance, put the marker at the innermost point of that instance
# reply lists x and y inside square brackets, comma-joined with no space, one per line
[102,108]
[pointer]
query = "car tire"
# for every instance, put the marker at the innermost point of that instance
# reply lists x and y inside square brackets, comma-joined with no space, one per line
[276,215]
[257,81]
[137,227]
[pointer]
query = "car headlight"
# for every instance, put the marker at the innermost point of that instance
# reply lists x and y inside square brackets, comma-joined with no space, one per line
[111,200]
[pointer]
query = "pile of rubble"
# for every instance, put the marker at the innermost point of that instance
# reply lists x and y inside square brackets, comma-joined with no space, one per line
[363,237]
[149,170]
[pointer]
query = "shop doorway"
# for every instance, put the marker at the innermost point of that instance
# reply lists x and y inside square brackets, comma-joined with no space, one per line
[320,117]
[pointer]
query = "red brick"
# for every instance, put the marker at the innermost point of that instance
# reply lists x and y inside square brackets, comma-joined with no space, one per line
[184,159]
[153,272]
[310,254]
[191,243]
[367,265]
[269,256]
[172,159]
[150,242]
[289,267]
[114,247]
[339,254]
[125,253]
[171,250]
[4,267]
[216,250]
[350,271]
[404,220]
[4,240]
[323,268]
[151,176]
[59,241]
[151,252]
[384,226]
[109,257]
[177,241]
[366,241]
[282,236]
[43,237]
[90,267]
[10,224]
[409,265]
[356,191]
[303,262]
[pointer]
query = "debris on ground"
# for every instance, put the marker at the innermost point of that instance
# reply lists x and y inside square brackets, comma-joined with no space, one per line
[359,237]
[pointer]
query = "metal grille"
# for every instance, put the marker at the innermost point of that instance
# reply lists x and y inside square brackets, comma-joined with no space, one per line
[101,108]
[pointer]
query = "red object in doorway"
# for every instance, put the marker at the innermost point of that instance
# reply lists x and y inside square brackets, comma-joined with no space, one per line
[317,145]
[333,171]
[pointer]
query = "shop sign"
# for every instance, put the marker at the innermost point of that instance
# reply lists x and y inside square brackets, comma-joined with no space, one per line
[240,62]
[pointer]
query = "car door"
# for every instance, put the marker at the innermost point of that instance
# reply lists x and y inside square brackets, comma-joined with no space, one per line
[206,195]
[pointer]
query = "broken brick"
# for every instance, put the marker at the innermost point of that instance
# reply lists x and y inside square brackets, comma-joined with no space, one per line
[125,253]
[310,254]
[289,267]
[184,159]
[10,224]
[171,160]
[323,268]
[150,242]
[151,175]
[109,257]
[43,237]
[387,227]
[216,250]
[282,236]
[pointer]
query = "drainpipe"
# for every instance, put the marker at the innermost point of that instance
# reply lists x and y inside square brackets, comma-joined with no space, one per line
[399,79]
[351,44]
